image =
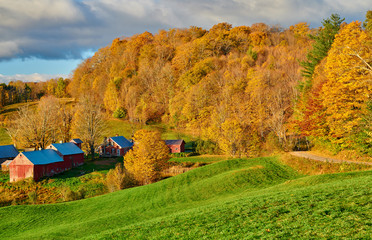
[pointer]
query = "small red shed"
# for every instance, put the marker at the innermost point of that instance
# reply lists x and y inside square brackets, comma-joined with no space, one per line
[5,165]
[72,155]
[175,146]
[36,164]
[77,142]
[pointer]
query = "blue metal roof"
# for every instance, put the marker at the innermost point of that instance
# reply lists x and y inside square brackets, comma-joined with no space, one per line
[43,157]
[67,148]
[122,141]
[8,151]
[76,140]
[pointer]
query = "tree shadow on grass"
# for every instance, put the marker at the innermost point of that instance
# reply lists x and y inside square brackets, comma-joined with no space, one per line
[88,167]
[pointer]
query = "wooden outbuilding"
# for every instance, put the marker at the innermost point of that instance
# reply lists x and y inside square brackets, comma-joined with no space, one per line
[7,152]
[77,142]
[36,165]
[72,155]
[176,146]
[115,147]
[5,165]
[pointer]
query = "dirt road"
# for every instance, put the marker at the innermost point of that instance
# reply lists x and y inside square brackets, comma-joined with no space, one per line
[323,159]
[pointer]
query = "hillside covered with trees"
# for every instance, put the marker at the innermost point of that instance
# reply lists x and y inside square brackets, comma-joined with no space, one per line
[239,89]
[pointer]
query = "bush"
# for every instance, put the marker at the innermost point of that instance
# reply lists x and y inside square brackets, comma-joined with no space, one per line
[181,154]
[120,113]
[69,195]
[118,178]
[206,147]
[32,196]
[187,164]
[272,143]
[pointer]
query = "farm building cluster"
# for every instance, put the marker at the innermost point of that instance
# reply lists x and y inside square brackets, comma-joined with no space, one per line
[60,157]
[119,146]
[56,158]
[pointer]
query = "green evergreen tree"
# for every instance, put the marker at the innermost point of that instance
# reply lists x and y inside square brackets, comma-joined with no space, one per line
[61,88]
[27,92]
[367,24]
[322,43]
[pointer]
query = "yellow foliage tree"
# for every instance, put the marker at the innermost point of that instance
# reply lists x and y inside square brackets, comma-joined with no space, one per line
[231,137]
[148,157]
[347,89]
[111,97]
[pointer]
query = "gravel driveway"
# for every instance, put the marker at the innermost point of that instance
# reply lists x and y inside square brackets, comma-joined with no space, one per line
[323,159]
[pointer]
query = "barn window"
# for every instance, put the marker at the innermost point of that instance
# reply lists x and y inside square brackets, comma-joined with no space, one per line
[118,152]
[176,148]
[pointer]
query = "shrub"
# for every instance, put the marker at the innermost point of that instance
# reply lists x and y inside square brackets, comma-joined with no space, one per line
[69,195]
[180,154]
[118,178]
[32,196]
[80,193]
[119,113]
[206,147]
[187,164]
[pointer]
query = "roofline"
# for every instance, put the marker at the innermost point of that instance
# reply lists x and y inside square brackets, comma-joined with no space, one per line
[118,143]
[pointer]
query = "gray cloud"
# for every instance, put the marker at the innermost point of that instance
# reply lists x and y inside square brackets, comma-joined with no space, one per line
[63,29]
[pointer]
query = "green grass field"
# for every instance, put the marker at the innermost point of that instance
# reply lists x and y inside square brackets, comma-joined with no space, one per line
[200,159]
[232,199]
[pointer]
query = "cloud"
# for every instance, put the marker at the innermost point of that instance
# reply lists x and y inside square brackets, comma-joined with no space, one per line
[21,14]
[35,77]
[63,29]
[8,49]
[284,12]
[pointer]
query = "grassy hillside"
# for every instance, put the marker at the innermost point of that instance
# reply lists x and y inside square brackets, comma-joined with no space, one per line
[238,198]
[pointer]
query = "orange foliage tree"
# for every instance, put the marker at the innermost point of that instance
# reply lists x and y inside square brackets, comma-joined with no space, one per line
[148,157]
[347,89]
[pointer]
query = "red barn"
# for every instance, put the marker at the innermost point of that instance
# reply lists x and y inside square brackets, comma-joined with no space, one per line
[115,147]
[36,164]
[175,146]
[77,142]
[72,155]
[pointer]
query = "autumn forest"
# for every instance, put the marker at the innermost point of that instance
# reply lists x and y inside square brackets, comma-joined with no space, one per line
[239,90]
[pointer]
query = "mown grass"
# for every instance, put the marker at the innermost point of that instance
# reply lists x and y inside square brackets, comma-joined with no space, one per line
[4,137]
[337,209]
[200,159]
[8,110]
[233,199]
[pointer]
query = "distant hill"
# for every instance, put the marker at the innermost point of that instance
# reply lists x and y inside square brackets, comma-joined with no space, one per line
[240,198]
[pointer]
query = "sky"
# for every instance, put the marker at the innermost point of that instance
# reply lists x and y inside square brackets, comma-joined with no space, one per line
[44,39]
